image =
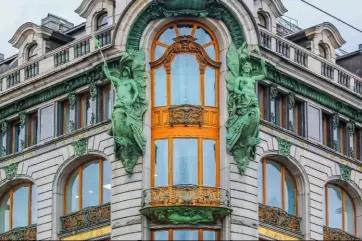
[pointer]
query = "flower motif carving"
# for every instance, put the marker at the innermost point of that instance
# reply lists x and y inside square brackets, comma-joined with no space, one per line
[284,146]
[186,115]
[11,170]
[23,233]
[80,147]
[337,234]
[345,172]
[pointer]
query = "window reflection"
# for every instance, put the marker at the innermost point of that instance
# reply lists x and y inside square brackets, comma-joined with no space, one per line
[161,163]
[289,194]
[273,179]
[159,51]
[209,163]
[202,36]
[185,161]
[107,180]
[160,87]
[168,36]
[5,213]
[72,193]
[90,184]
[210,87]
[20,197]
[185,234]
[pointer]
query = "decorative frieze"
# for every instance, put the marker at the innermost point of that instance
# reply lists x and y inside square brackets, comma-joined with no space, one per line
[11,170]
[345,172]
[279,218]
[22,117]
[337,234]
[4,126]
[23,233]
[85,219]
[72,100]
[335,121]
[186,115]
[93,90]
[284,146]
[80,147]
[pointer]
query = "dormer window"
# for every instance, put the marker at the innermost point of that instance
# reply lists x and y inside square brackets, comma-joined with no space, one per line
[322,51]
[102,21]
[32,52]
[263,22]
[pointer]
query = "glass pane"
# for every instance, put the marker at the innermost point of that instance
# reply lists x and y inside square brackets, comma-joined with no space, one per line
[20,206]
[209,163]
[278,110]
[17,138]
[168,36]
[185,161]
[160,87]
[161,163]
[210,50]
[90,192]
[185,84]
[313,123]
[72,193]
[34,206]
[161,235]
[274,182]
[349,214]
[46,122]
[185,29]
[66,113]
[260,182]
[159,51]
[4,213]
[209,235]
[89,110]
[210,87]
[107,180]
[289,193]
[185,235]
[202,36]
[107,103]
[335,207]
[35,130]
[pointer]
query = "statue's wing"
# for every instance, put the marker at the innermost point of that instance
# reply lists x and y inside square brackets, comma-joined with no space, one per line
[139,136]
[233,64]
[139,72]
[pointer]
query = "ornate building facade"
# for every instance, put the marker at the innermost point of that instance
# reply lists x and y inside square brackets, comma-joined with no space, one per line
[179,120]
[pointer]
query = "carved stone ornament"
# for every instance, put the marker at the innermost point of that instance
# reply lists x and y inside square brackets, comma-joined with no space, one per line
[291,100]
[93,119]
[80,147]
[335,121]
[345,172]
[272,117]
[186,115]
[22,117]
[291,126]
[3,151]
[335,145]
[71,126]
[273,92]
[93,90]
[279,218]
[129,80]
[4,126]
[337,234]
[10,170]
[22,233]
[72,99]
[284,146]
[351,127]
[243,106]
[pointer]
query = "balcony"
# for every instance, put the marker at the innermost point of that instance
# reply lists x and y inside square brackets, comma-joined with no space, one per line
[279,220]
[185,204]
[310,61]
[49,62]
[23,233]
[85,219]
[337,234]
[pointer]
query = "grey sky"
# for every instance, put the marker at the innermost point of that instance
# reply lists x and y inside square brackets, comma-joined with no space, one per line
[16,12]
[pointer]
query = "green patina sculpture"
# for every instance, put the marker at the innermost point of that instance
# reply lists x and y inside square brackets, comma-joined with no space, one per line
[80,147]
[243,107]
[284,146]
[10,170]
[129,81]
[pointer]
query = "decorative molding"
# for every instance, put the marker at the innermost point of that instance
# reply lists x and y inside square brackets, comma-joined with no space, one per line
[93,90]
[272,117]
[291,126]
[23,233]
[4,126]
[351,127]
[185,204]
[159,9]
[93,119]
[335,121]
[284,146]
[345,172]
[71,126]
[335,145]
[279,218]
[291,100]
[85,220]
[80,147]
[273,235]
[337,234]
[72,99]
[2,151]
[94,234]
[11,170]
[186,115]
[273,92]
[22,117]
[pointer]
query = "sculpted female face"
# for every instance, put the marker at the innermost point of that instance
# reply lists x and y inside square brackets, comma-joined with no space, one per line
[247,67]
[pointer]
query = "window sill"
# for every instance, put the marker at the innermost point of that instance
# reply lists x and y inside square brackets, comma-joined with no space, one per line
[23,233]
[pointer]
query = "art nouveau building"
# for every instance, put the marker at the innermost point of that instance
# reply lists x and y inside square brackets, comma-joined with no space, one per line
[61,178]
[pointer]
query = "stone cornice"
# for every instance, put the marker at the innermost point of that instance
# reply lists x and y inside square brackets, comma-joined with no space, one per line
[87,6]
[277,7]
[23,32]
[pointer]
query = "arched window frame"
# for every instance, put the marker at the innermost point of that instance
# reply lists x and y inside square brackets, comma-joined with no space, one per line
[190,132]
[262,14]
[283,171]
[326,203]
[31,188]
[32,52]
[99,21]
[80,169]
[326,53]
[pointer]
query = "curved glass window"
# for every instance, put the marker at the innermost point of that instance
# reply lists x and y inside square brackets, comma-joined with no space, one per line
[185,234]
[277,186]
[32,52]
[88,185]
[102,21]
[18,207]
[339,209]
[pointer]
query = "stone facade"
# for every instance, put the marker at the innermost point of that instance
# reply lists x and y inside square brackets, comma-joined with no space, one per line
[50,161]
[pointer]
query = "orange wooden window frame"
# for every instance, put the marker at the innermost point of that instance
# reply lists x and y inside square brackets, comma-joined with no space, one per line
[283,171]
[80,169]
[31,128]
[343,192]
[190,132]
[65,107]
[200,232]
[105,89]
[11,198]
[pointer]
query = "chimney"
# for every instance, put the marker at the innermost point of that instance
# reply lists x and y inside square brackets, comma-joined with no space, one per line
[359,46]
[2,57]
[56,23]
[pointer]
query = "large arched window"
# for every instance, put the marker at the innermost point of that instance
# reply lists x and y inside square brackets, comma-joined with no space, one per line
[88,185]
[18,207]
[339,210]
[185,117]
[277,187]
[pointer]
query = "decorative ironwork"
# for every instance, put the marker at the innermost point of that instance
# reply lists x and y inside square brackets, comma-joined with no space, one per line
[337,234]
[182,204]
[23,233]
[279,218]
[186,115]
[85,219]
